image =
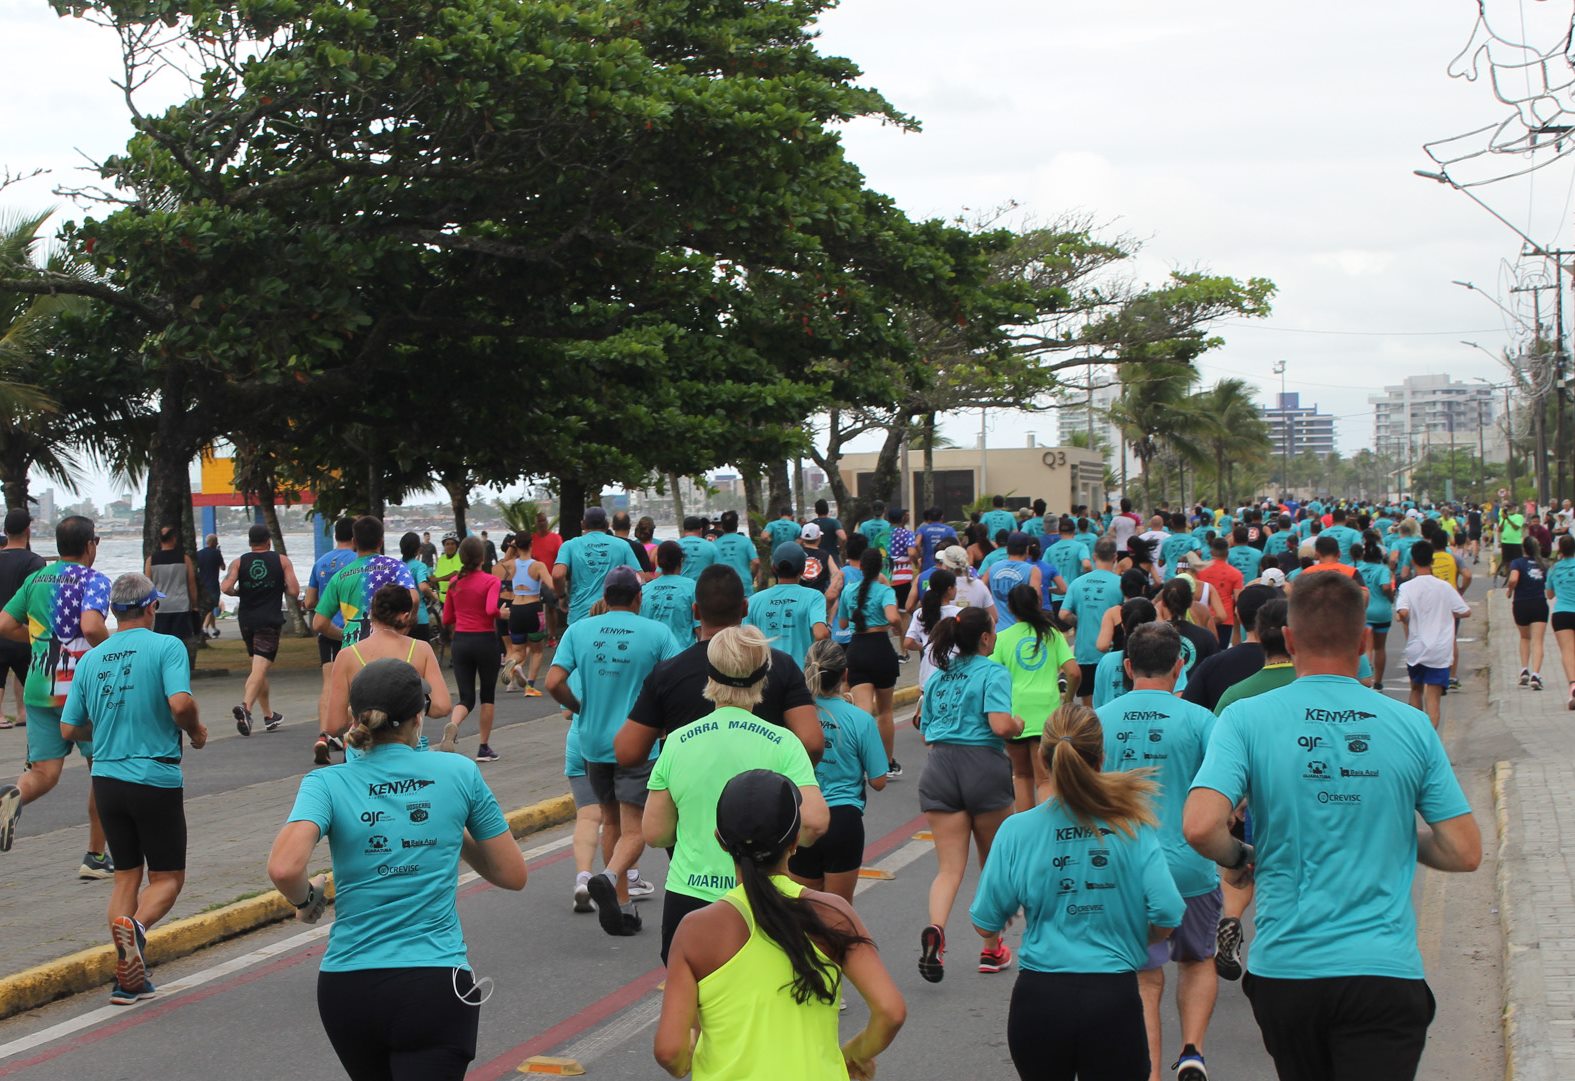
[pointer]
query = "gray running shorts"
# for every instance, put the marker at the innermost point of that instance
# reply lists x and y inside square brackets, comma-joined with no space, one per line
[958,777]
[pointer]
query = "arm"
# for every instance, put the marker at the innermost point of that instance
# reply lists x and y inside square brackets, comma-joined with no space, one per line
[659,823]
[805,724]
[558,687]
[17,632]
[292,848]
[1072,672]
[497,859]
[183,709]
[1005,725]
[292,585]
[867,972]
[441,702]
[336,718]
[814,815]
[227,587]
[674,1044]
[1206,826]
[634,742]
[191,583]
[560,582]
[1514,580]
[1454,844]
[1107,630]
[93,628]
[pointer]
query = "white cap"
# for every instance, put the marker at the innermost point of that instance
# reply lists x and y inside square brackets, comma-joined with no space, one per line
[810,532]
[1413,513]
[955,558]
[1274,577]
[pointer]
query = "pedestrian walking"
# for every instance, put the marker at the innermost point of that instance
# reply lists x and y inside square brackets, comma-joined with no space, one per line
[259,580]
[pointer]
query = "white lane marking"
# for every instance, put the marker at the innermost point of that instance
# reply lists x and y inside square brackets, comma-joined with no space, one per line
[219,971]
[895,862]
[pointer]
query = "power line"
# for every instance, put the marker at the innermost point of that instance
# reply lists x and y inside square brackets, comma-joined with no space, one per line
[1358,333]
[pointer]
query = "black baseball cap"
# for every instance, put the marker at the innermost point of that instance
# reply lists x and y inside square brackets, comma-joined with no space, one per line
[392,686]
[757,816]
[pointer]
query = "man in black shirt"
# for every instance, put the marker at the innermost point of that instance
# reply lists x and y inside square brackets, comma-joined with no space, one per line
[210,568]
[259,579]
[17,561]
[673,694]
[1213,676]
[832,535]
[621,527]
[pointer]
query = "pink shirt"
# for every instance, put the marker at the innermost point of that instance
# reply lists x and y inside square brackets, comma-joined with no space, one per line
[472,603]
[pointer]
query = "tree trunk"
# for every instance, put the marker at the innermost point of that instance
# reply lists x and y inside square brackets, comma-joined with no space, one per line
[752,503]
[13,476]
[929,463]
[887,480]
[830,463]
[457,485]
[779,486]
[678,500]
[571,506]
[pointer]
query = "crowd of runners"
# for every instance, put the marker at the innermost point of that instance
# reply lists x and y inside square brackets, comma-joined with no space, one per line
[1138,725]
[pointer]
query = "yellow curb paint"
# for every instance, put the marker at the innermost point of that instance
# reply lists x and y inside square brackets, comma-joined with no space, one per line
[546,1064]
[95,967]
[905,696]
[924,835]
[876,873]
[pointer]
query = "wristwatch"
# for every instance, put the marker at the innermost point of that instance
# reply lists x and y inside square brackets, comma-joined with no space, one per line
[311,895]
[1243,857]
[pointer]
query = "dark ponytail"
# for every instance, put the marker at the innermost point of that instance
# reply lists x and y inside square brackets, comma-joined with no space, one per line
[1023,602]
[390,605]
[1372,550]
[960,635]
[941,581]
[870,563]
[796,925]
[1134,613]
[1177,599]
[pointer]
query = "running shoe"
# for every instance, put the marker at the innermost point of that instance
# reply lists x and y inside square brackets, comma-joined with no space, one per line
[894,770]
[902,658]
[450,740]
[614,920]
[505,672]
[1572,696]
[1454,684]
[96,865]
[485,753]
[272,722]
[932,953]
[130,940]
[1525,676]
[531,691]
[122,997]
[1378,685]
[640,889]
[243,720]
[1536,681]
[6,722]
[320,749]
[1227,952]
[995,960]
[1189,1067]
[335,743]
[582,898]
[10,814]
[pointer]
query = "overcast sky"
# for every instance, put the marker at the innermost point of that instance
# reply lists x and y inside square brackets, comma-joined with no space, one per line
[1245,138]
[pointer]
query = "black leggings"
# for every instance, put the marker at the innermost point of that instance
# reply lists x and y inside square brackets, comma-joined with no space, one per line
[400,1024]
[475,656]
[1087,1026]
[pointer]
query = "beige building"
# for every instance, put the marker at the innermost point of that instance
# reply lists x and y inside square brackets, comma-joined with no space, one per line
[1063,477]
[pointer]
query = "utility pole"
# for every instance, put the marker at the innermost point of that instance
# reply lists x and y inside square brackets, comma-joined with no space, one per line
[1481,458]
[1539,417]
[1285,432]
[1560,389]
[1509,442]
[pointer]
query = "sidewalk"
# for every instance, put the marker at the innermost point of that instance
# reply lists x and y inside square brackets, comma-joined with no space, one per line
[1534,797]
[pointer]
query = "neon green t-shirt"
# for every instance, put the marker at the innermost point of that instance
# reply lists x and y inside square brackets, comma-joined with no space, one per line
[695,765]
[1035,668]
[1511,528]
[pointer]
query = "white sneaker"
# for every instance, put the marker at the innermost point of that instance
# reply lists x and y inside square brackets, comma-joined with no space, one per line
[450,740]
[640,889]
[582,898]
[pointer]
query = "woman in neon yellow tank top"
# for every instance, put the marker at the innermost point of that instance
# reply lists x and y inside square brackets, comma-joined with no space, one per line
[393,614]
[761,970]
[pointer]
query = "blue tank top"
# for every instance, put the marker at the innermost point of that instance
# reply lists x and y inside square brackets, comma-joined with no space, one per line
[527,587]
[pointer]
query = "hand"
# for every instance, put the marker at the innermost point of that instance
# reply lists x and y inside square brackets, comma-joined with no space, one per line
[199,738]
[858,1069]
[314,911]
[1239,879]
[1018,724]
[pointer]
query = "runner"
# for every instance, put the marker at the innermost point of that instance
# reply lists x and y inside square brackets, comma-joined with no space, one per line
[674,693]
[936,606]
[428,550]
[790,615]
[759,972]
[1216,675]
[1427,607]
[1336,979]
[699,553]
[349,592]
[390,638]
[854,757]
[821,572]
[1151,730]
[869,609]
[421,575]
[833,538]
[932,536]
[1330,562]
[1529,606]
[1376,576]
[669,598]
[621,528]
[737,550]
[1013,571]
[1177,548]
[60,611]
[998,518]
[1174,606]
[1035,654]
[323,570]
[613,679]
[966,788]
[470,613]
[173,571]
[396,992]
[583,562]
[1110,678]
[645,533]
[876,530]
[1348,539]
[1225,582]
[1070,558]
[131,700]
[545,544]
[696,764]
[1561,591]
[260,580]
[782,529]
[532,585]
[210,568]
[903,554]
[17,561]
[1511,532]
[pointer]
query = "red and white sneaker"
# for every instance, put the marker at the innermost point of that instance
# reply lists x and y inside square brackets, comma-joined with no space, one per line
[996,960]
[932,953]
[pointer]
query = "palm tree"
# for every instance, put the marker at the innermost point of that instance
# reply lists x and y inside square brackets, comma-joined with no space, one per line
[1156,411]
[1232,429]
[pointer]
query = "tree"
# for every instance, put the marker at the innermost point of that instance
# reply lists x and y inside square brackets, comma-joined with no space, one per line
[1156,412]
[1232,429]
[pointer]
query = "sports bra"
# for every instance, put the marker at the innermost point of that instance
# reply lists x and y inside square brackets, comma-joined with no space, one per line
[356,649]
[527,587]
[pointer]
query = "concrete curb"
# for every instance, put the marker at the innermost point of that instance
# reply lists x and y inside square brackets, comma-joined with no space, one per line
[1525,1022]
[904,696]
[95,968]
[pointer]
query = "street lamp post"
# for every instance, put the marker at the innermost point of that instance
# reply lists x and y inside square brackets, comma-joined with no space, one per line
[1285,433]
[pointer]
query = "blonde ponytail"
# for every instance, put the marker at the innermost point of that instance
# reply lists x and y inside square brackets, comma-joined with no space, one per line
[1073,749]
[363,731]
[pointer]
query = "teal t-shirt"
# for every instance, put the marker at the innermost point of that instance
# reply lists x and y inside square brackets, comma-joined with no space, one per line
[1336,775]
[615,651]
[1176,548]
[1401,547]
[787,614]
[1561,585]
[1004,577]
[122,687]
[782,530]
[395,820]
[1348,539]
[853,752]
[588,558]
[997,520]
[349,592]
[573,760]
[669,599]
[875,601]
[419,572]
[959,699]
[737,551]
[1110,680]
[1156,730]
[1089,598]
[1380,609]
[1245,558]
[1089,895]
[992,559]
[1067,556]
[699,554]
[878,532]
